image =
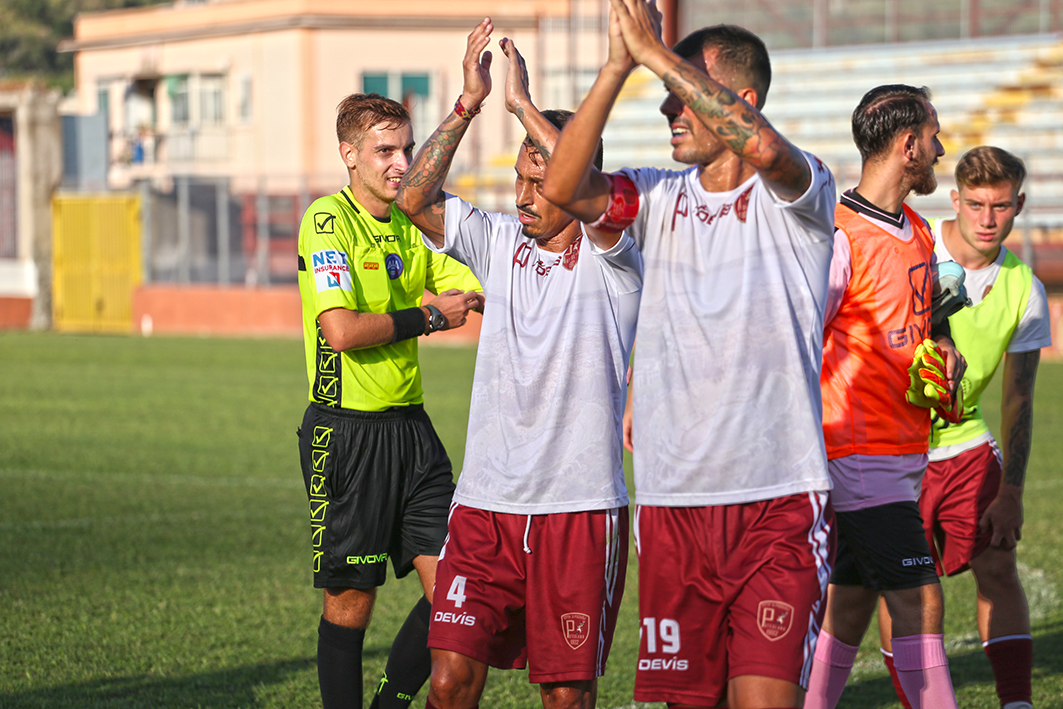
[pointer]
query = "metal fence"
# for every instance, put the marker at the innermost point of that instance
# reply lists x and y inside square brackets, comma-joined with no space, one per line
[202,230]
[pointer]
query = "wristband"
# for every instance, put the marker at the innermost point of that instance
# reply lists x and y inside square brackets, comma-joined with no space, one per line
[623,205]
[408,323]
[463,113]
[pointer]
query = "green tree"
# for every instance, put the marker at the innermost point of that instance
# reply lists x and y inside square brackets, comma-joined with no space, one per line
[30,30]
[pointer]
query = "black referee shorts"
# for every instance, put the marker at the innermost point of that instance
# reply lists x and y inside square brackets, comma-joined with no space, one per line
[379,486]
[883,548]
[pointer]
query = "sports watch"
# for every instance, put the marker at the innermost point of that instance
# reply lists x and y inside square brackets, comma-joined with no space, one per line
[436,319]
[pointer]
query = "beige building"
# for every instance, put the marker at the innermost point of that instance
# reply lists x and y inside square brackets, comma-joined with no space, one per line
[31,166]
[247,89]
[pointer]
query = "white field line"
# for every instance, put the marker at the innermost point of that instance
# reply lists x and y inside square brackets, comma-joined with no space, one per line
[1042,595]
[86,522]
[294,484]
[295,481]
[1043,484]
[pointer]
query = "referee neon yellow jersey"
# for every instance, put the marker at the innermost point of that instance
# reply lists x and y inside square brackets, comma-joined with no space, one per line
[350,259]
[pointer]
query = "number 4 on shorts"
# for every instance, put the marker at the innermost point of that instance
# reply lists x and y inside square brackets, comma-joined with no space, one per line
[457,591]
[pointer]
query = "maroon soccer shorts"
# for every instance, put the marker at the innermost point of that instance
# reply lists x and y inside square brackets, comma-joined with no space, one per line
[540,591]
[727,591]
[956,493]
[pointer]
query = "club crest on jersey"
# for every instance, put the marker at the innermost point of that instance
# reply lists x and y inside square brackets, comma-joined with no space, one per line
[393,264]
[576,628]
[775,618]
[331,270]
[742,205]
[571,255]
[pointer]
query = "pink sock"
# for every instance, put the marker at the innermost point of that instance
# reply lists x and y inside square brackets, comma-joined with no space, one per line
[923,671]
[831,666]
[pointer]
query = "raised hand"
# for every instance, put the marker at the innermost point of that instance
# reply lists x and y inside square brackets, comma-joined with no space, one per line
[619,58]
[640,25]
[518,94]
[475,68]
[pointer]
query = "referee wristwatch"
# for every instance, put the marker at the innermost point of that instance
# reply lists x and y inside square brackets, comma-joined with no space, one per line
[436,319]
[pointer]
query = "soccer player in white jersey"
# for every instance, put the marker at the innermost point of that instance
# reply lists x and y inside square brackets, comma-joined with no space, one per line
[733,523]
[532,572]
[971,498]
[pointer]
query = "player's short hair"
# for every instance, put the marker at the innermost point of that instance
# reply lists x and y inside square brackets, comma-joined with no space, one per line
[884,113]
[357,113]
[558,118]
[739,53]
[987,165]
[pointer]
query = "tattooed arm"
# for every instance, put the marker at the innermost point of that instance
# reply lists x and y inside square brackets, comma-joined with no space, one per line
[730,115]
[1004,514]
[421,194]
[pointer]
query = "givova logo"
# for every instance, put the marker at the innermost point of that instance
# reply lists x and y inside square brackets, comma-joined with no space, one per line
[367,559]
[331,270]
[918,561]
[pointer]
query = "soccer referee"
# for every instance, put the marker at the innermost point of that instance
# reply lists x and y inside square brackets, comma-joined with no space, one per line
[377,477]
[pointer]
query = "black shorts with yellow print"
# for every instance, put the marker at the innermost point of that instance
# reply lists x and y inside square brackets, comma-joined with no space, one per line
[379,486]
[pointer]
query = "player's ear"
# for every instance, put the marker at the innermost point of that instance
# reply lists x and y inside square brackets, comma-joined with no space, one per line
[909,145]
[347,154]
[956,201]
[749,95]
[1020,201]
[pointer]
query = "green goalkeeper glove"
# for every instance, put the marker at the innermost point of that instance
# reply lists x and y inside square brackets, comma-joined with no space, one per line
[928,387]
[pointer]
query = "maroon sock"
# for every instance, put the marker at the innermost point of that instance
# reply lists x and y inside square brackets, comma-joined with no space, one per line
[887,657]
[1012,660]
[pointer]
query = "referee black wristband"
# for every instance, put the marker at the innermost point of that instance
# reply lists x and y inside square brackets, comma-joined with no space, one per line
[408,323]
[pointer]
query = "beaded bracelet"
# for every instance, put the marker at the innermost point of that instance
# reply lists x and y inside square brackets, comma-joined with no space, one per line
[462,112]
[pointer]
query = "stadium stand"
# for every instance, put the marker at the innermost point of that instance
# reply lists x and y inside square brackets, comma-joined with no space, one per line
[1004,91]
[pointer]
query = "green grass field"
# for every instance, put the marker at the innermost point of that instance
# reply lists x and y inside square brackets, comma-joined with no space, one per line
[154,542]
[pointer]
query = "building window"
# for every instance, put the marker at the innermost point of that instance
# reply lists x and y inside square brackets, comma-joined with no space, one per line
[245,99]
[212,99]
[375,84]
[414,88]
[177,88]
[407,88]
[103,101]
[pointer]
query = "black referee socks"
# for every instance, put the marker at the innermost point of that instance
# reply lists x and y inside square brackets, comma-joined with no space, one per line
[339,665]
[409,662]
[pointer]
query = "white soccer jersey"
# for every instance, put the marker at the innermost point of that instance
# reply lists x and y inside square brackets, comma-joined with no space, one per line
[727,405]
[550,382]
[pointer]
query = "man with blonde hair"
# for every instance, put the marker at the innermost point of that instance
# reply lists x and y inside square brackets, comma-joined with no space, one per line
[378,480]
[971,501]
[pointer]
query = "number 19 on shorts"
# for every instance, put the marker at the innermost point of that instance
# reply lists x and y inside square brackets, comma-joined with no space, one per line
[661,637]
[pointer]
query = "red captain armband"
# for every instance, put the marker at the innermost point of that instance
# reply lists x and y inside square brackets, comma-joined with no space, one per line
[623,205]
